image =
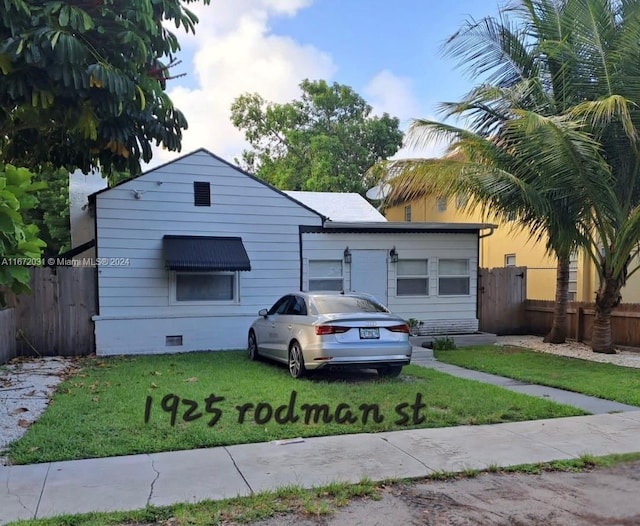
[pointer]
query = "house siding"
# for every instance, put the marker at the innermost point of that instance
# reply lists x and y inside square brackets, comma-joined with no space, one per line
[134,298]
[440,314]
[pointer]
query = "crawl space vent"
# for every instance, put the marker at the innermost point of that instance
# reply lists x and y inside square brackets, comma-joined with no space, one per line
[173,341]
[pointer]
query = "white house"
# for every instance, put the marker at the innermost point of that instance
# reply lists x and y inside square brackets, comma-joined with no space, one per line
[190,251]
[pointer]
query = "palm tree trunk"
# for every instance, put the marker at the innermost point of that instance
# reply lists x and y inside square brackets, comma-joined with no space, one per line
[607,298]
[558,332]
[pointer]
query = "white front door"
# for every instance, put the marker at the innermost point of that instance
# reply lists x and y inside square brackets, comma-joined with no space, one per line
[369,273]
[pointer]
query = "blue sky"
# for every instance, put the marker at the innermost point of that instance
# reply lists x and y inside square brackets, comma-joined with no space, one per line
[389,52]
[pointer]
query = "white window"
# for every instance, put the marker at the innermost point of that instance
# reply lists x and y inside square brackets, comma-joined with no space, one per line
[453,277]
[441,204]
[407,213]
[326,274]
[573,276]
[412,277]
[204,287]
[509,260]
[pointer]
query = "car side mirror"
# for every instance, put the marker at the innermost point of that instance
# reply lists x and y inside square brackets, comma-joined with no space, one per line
[263,313]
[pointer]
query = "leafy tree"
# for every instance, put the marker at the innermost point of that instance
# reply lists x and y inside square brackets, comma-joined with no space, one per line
[560,88]
[51,214]
[83,81]
[19,243]
[325,141]
[82,85]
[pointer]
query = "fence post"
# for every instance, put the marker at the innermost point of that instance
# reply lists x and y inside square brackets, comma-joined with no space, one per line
[8,347]
[579,323]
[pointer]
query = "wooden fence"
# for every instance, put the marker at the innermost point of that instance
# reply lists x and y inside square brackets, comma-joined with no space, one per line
[55,319]
[501,299]
[625,321]
[8,347]
[504,309]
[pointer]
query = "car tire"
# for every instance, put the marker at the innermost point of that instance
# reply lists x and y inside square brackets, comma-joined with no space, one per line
[252,347]
[390,371]
[296,360]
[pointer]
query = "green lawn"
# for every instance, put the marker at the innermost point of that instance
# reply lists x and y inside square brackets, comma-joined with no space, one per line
[604,380]
[147,404]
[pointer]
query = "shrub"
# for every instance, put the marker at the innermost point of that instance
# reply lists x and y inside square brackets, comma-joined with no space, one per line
[443,344]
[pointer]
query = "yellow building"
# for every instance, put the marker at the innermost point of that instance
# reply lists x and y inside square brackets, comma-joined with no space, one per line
[510,245]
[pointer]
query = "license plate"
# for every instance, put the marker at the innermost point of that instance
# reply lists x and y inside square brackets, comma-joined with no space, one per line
[370,334]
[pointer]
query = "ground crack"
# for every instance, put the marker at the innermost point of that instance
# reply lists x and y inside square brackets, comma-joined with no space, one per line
[16,495]
[238,470]
[407,453]
[153,482]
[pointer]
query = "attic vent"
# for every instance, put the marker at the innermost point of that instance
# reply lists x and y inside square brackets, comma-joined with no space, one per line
[173,341]
[201,194]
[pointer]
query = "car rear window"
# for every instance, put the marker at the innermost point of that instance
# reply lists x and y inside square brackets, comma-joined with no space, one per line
[342,304]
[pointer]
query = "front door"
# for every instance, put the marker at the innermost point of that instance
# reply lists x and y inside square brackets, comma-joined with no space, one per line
[369,273]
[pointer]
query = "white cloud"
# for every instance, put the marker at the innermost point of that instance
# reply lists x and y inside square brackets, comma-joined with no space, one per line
[235,52]
[392,94]
[387,92]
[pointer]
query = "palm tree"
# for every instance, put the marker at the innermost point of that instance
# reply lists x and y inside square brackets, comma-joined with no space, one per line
[527,170]
[554,124]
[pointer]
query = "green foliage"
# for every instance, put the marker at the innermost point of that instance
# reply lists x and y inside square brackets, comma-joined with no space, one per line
[19,243]
[552,133]
[83,81]
[443,344]
[51,215]
[414,325]
[325,141]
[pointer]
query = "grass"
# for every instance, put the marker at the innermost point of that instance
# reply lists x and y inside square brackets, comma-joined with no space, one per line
[603,380]
[311,503]
[100,410]
[292,499]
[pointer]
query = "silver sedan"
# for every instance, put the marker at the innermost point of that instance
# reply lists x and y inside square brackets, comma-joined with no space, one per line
[309,331]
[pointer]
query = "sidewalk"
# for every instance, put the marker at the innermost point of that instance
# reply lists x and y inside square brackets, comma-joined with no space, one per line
[590,404]
[159,479]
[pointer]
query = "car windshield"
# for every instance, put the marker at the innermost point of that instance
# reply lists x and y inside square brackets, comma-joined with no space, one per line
[343,304]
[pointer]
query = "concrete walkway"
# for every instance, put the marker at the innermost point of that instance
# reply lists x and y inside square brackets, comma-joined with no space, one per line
[159,479]
[590,404]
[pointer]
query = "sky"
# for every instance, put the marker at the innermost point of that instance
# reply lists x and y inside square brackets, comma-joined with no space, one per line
[388,52]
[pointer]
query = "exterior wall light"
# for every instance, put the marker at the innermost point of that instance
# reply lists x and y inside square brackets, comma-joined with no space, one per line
[347,255]
[393,255]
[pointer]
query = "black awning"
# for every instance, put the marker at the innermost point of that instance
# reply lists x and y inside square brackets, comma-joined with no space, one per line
[204,254]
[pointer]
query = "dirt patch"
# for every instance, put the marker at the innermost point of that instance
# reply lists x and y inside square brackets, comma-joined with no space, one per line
[603,497]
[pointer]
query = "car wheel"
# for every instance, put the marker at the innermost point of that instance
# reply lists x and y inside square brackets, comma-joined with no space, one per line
[296,361]
[390,371]
[252,346]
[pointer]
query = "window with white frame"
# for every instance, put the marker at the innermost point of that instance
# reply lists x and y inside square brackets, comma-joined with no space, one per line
[509,260]
[573,276]
[407,213]
[412,277]
[453,277]
[326,274]
[204,287]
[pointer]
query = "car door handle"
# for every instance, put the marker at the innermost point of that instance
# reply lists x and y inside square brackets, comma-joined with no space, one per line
[290,326]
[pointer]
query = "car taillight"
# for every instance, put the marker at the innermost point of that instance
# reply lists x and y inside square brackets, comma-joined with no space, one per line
[330,329]
[399,328]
